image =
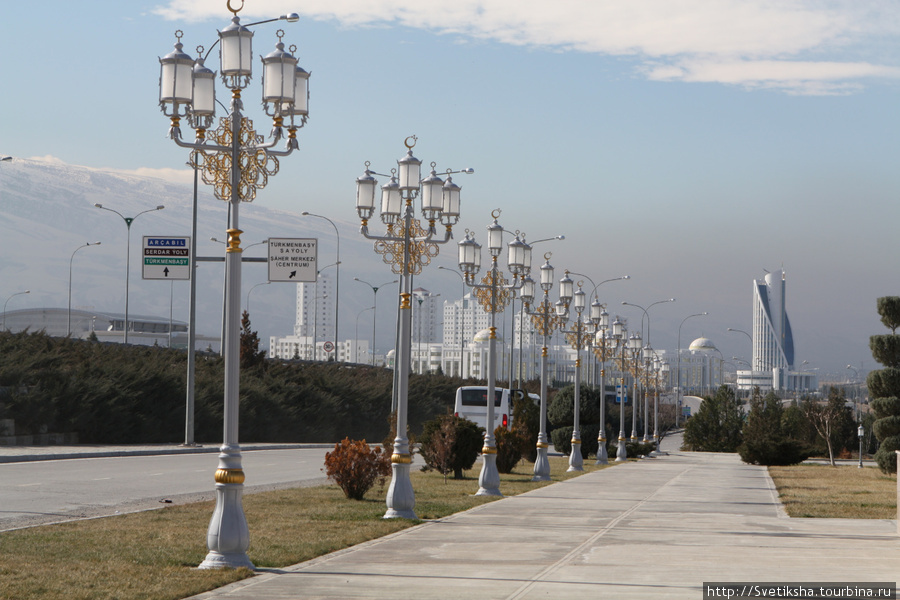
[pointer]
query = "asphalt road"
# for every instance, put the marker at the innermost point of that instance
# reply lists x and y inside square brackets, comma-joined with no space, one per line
[33,493]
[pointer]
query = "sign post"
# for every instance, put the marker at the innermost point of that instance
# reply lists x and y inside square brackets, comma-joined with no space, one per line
[167,257]
[293,259]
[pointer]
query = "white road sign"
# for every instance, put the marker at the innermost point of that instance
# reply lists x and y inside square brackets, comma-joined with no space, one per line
[167,257]
[293,259]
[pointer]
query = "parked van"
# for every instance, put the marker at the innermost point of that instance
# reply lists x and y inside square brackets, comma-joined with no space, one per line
[471,404]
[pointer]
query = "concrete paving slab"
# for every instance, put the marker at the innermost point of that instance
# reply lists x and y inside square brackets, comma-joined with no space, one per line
[657,528]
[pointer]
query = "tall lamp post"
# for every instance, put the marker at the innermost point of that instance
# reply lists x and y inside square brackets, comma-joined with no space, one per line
[749,337]
[7,302]
[619,337]
[375,289]
[69,310]
[494,293]
[251,290]
[337,277]
[236,161]
[860,432]
[648,352]
[407,247]
[545,323]
[577,337]
[128,222]
[634,348]
[679,394]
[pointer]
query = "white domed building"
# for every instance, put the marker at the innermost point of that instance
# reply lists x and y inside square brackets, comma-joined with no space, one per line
[702,368]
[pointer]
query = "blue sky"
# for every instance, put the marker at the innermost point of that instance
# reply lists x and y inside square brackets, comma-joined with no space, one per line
[690,143]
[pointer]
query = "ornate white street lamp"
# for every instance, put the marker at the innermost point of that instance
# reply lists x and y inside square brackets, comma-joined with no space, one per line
[494,294]
[237,162]
[618,337]
[634,347]
[545,322]
[69,310]
[577,337]
[407,247]
[648,354]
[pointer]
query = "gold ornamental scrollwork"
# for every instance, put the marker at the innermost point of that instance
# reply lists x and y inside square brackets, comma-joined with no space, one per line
[420,252]
[256,165]
[504,294]
[544,319]
[572,338]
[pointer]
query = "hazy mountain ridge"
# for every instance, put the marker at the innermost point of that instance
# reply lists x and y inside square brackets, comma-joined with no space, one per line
[48,211]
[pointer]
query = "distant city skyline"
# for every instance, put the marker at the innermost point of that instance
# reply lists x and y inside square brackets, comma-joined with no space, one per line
[690,145]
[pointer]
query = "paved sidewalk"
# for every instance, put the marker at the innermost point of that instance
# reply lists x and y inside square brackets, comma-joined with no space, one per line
[657,528]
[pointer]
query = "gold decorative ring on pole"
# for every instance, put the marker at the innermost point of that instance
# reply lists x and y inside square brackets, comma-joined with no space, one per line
[229,476]
[401,459]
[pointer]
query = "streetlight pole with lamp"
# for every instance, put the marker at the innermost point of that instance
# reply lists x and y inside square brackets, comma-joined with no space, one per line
[545,323]
[337,277]
[494,293]
[69,310]
[648,351]
[600,319]
[356,337]
[236,162]
[128,222]
[407,247]
[375,289]
[251,290]
[7,302]
[577,337]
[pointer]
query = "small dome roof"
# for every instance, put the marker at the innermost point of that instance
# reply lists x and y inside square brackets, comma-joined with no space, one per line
[484,336]
[703,344]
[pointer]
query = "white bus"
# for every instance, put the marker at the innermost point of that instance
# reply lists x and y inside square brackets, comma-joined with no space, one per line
[471,404]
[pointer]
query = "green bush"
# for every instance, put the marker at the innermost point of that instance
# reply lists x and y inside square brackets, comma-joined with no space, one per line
[717,425]
[510,448]
[451,444]
[767,437]
[526,423]
[562,439]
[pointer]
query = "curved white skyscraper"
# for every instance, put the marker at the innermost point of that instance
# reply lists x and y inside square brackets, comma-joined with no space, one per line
[773,342]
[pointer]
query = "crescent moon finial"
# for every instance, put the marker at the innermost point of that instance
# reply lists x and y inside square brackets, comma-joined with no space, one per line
[495,213]
[406,141]
[235,11]
[547,255]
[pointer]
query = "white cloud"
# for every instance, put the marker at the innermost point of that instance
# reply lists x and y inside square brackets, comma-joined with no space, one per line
[743,42]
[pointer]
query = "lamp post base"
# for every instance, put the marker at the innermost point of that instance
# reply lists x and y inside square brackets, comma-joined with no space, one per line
[489,479]
[400,497]
[621,452]
[541,464]
[576,462]
[602,455]
[228,536]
